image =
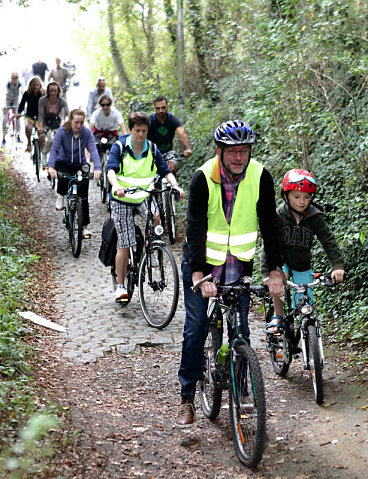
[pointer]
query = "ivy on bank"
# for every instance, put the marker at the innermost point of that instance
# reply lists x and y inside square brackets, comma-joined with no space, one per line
[21,422]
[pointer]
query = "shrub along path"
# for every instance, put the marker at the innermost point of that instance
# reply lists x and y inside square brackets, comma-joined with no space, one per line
[119,409]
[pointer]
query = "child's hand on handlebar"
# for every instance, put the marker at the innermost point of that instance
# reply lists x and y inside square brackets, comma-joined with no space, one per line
[97,175]
[337,276]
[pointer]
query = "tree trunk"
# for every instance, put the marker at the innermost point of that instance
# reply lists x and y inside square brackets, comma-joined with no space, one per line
[180,60]
[194,8]
[123,79]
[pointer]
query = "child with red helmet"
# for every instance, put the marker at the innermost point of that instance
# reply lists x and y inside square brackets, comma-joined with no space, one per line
[299,221]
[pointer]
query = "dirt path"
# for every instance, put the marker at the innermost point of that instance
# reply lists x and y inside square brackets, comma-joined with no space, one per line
[121,396]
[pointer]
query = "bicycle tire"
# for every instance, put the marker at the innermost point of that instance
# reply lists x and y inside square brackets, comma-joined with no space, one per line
[247,406]
[162,204]
[76,228]
[210,391]
[315,365]
[158,287]
[13,132]
[170,218]
[37,158]
[103,179]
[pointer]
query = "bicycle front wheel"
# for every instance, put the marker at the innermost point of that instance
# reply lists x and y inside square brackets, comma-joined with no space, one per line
[103,179]
[76,228]
[247,406]
[158,285]
[37,158]
[210,390]
[315,364]
[170,218]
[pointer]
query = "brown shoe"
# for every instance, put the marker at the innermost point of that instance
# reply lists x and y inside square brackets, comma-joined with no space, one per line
[186,415]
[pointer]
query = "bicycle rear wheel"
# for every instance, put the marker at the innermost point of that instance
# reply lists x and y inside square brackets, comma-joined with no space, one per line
[279,348]
[37,158]
[158,287]
[170,218]
[315,364]
[210,386]
[76,228]
[247,406]
[13,132]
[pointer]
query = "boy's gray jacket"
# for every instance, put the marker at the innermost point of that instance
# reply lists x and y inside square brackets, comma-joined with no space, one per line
[297,238]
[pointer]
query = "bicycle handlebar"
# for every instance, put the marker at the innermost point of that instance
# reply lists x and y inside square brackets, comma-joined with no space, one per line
[151,191]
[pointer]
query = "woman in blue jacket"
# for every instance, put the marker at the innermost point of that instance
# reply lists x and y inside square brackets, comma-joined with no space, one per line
[68,155]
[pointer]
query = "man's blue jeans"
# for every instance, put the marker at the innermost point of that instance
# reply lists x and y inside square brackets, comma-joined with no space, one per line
[191,366]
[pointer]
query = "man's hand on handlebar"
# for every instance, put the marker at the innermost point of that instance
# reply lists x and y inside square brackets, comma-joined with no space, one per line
[180,191]
[187,153]
[97,175]
[208,288]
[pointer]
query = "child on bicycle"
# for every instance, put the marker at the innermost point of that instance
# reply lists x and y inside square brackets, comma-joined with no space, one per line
[299,221]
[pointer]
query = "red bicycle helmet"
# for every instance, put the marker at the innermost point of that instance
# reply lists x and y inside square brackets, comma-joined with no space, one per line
[298,180]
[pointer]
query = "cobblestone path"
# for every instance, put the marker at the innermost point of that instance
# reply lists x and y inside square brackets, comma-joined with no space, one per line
[94,322]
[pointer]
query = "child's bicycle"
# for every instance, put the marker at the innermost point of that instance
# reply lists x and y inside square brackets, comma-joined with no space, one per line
[73,216]
[234,367]
[302,327]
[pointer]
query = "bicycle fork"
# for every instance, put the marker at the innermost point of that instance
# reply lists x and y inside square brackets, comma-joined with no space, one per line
[306,321]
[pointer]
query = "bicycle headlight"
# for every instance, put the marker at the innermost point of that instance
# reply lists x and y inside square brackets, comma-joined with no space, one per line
[307,309]
[159,230]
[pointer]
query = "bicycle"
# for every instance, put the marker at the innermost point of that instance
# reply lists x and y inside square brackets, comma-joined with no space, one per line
[11,126]
[36,152]
[167,202]
[104,148]
[234,367]
[73,216]
[49,137]
[152,268]
[300,326]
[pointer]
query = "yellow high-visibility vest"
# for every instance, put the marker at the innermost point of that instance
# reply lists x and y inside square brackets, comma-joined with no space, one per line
[240,235]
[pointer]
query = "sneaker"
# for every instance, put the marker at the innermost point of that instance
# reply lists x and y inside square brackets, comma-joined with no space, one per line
[19,140]
[29,148]
[186,415]
[86,234]
[59,205]
[121,293]
[3,143]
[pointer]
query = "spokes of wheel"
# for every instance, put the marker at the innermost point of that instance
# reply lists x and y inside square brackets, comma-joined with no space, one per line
[279,349]
[247,407]
[170,218]
[210,387]
[315,365]
[158,284]
[76,228]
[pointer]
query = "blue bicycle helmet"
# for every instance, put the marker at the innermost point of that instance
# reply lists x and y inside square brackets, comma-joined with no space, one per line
[232,133]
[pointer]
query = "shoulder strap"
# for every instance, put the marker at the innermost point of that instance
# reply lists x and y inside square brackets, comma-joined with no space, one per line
[123,150]
[153,148]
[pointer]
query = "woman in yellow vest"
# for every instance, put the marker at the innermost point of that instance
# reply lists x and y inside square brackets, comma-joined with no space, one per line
[230,196]
[133,161]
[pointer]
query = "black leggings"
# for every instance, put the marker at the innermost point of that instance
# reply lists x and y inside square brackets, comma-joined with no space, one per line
[62,187]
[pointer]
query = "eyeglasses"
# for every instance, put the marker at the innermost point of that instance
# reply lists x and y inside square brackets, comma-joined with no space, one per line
[233,153]
[105,104]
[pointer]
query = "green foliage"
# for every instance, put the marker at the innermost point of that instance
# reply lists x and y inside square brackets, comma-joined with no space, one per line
[17,391]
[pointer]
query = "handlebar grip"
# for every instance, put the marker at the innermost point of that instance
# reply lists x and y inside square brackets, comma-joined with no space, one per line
[196,286]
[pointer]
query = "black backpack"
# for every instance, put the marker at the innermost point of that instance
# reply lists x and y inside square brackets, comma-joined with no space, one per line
[108,245]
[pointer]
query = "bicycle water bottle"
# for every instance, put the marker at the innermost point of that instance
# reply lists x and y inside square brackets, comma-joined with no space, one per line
[223,354]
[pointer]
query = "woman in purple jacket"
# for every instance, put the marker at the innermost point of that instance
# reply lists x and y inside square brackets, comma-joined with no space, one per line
[68,155]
